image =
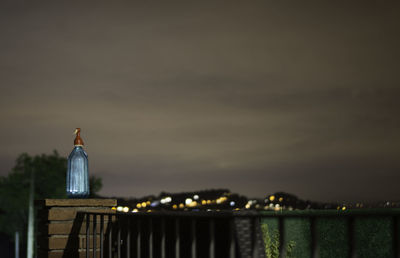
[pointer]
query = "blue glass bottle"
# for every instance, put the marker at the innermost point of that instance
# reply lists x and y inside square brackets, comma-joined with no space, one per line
[78,170]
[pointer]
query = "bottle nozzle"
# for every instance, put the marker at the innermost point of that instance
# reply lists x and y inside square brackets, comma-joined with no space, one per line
[78,141]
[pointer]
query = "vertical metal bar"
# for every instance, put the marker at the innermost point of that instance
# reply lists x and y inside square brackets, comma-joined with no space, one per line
[101,236]
[94,234]
[212,239]
[395,238]
[87,234]
[232,244]
[119,238]
[350,230]
[193,238]
[314,237]
[110,229]
[150,238]
[128,238]
[163,238]
[139,235]
[281,231]
[254,237]
[177,239]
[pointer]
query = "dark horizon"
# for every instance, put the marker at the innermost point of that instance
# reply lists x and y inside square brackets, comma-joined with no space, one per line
[256,98]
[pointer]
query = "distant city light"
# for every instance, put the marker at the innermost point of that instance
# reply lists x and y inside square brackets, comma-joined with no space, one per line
[155,203]
[167,199]
[192,204]
[217,202]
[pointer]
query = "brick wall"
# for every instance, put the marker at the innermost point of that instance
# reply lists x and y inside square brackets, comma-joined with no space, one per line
[62,230]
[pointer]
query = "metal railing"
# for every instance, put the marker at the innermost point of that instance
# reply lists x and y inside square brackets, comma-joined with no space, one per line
[207,234]
[166,234]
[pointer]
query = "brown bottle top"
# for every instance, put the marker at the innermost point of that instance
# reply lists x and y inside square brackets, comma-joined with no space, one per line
[78,140]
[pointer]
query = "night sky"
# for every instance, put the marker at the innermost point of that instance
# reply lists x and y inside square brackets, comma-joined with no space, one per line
[256,97]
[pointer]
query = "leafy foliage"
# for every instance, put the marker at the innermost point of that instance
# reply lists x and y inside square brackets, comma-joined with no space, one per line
[49,176]
[271,243]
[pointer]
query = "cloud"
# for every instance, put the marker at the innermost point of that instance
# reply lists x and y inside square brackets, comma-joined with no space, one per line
[256,98]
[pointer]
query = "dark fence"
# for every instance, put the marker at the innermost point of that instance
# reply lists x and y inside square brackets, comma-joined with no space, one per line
[355,233]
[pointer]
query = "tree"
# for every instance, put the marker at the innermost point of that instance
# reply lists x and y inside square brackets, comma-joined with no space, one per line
[50,177]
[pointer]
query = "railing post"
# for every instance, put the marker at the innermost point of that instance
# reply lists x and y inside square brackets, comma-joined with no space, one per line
[177,238]
[163,238]
[314,237]
[101,236]
[212,238]
[119,238]
[232,245]
[150,238]
[87,235]
[281,231]
[138,240]
[254,241]
[128,239]
[110,229]
[193,238]
[94,235]
[350,230]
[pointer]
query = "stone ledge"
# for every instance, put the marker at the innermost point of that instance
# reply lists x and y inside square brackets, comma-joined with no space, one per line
[77,202]
[69,213]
